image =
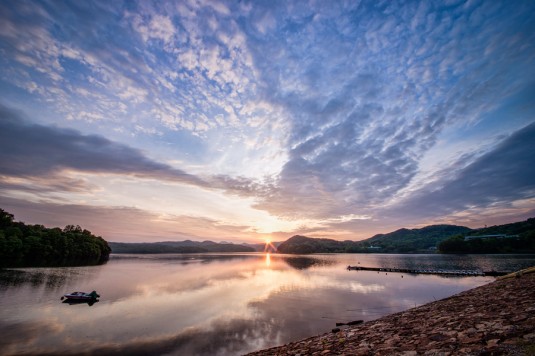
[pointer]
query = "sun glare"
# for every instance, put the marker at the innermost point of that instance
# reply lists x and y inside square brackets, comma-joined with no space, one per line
[269,247]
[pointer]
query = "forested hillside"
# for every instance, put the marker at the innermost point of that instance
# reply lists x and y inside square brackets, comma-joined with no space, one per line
[187,246]
[24,245]
[421,240]
[517,237]
[302,245]
[414,240]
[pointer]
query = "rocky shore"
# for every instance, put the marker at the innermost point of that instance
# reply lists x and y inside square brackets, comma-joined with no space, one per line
[494,319]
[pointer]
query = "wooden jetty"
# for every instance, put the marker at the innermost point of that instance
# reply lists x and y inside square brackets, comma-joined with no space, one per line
[468,273]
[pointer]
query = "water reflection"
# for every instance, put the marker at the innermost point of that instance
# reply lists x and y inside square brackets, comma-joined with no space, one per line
[206,304]
[10,278]
[305,262]
[80,302]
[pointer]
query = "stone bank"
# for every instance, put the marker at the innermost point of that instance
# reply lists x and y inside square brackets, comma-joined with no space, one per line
[494,319]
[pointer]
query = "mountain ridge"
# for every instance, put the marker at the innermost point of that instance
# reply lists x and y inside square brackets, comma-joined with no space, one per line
[404,240]
[187,246]
[421,240]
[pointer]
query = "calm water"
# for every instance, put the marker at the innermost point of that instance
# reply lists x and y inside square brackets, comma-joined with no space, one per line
[215,304]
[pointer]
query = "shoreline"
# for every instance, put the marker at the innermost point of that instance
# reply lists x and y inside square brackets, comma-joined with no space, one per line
[494,319]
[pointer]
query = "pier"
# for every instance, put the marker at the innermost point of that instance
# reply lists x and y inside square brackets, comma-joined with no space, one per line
[467,273]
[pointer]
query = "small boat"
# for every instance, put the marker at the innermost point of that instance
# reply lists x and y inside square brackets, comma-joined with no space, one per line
[81,296]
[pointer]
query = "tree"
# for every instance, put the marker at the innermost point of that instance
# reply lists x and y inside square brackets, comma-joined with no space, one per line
[24,245]
[6,219]
[454,244]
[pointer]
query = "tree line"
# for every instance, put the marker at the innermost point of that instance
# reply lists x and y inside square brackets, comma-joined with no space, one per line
[521,239]
[23,245]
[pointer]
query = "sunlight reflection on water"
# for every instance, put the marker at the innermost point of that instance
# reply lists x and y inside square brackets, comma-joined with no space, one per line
[215,304]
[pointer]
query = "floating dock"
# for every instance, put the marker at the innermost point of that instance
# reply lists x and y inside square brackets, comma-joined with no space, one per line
[468,273]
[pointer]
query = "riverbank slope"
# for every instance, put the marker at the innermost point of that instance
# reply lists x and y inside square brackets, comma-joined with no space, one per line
[494,319]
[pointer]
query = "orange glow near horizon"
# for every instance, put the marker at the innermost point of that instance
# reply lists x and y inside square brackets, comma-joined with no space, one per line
[269,247]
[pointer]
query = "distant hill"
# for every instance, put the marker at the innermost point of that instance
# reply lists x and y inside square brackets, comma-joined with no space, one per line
[423,240]
[187,246]
[413,240]
[261,247]
[517,228]
[400,241]
[445,238]
[517,237]
[302,245]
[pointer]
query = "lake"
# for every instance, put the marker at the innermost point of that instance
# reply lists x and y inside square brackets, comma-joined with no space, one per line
[217,304]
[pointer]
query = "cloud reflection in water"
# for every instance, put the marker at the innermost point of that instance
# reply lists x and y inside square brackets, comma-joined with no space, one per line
[203,305]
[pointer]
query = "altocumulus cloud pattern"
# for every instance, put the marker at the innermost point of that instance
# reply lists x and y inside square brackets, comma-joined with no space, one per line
[232,120]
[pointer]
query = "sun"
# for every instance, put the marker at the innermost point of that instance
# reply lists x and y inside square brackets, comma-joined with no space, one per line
[269,247]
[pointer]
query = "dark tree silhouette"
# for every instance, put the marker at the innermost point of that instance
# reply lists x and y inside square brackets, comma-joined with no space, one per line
[24,245]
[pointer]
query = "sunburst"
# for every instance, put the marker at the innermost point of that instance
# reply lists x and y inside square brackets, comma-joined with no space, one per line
[269,247]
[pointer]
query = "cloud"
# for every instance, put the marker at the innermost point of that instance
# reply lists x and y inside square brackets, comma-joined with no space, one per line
[43,185]
[120,223]
[42,163]
[369,94]
[499,177]
[189,70]
[159,27]
[226,337]
[16,333]
[315,110]
[30,150]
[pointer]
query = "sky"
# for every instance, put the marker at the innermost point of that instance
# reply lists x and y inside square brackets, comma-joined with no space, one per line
[242,121]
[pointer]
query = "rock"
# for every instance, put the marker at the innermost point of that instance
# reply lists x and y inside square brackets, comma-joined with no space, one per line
[438,337]
[469,340]
[493,342]
[471,331]
[479,321]
[362,351]
[519,318]
[513,341]
[355,322]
